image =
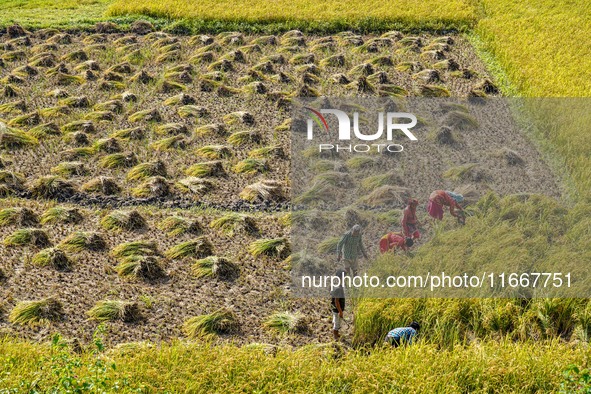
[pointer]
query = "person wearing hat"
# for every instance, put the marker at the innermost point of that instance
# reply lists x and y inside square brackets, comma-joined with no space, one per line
[409,222]
[441,198]
[349,248]
[403,335]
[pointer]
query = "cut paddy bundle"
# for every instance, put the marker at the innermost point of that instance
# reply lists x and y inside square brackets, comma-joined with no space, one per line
[29,119]
[328,245]
[102,185]
[140,267]
[387,196]
[197,248]
[180,99]
[216,267]
[147,115]
[465,172]
[36,312]
[69,169]
[110,106]
[233,222]
[194,185]
[51,187]
[460,120]
[79,138]
[176,225]
[145,170]
[427,76]
[11,138]
[333,61]
[54,258]
[108,86]
[54,112]
[444,136]
[10,182]
[267,151]
[113,310]
[273,247]
[214,152]
[251,166]
[135,248]
[172,129]
[156,186]
[62,215]
[286,322]
[320,191]
[265,190]
[81,240]
[13,106]
[433,91]
[79,125]
[192,111]
[221,321]
[44,130]
[510,156]
[124,220]
[142,77]
[100,116]
[170,143]
[119,160]
[11,90]
[213,168]
[24,217]
[28,236]
[244,137]
[379,77]
[239,117]
[133,133]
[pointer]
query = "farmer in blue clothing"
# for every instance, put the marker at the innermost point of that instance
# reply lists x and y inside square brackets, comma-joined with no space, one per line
[403,335]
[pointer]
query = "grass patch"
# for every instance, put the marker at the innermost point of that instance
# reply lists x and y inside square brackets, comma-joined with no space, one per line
[222,321]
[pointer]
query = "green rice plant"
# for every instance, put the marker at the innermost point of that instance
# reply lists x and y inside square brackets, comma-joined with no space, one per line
[54,258]
[148,115]
[44,130]
[145,170]
[135,248]
[102,185]
[170,143]
[176,225]
[28,236]
[69,169]
[199,248]
[208,168]
[239,117]
[251,166]
[79,241]
[244,137]
[36,312]
[286,322]
[11,138]
[18,217]
[265,190]
[212,129]
[140,267]
[213,152]
[461,172]
[216,267]
[172,128]
[221,321]
[118,160]
[328,245]
[51,187]
[359,162]
[191,111]
[124,220]
[266,151]
[433,91]
[113,310]
[61,215]
[194,185]
[461,120]
[232,222]
[155,186]
[274,247]
[13,106]
[372,182]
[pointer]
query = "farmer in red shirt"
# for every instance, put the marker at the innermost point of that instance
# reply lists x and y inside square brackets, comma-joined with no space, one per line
[391,241]
[409,220]
[441,198]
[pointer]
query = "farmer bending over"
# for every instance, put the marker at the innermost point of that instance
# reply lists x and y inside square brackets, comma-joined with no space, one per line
[403,335]
[440,198]
[391,241]
[349,248]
